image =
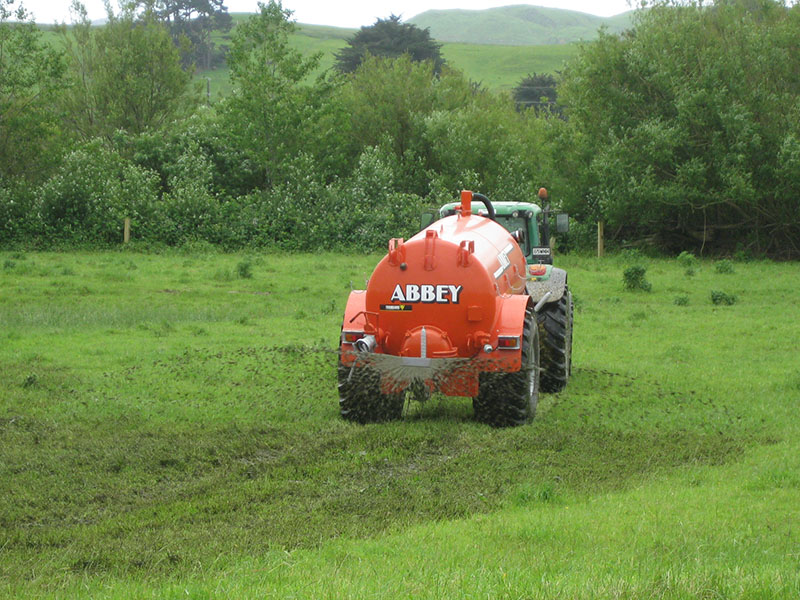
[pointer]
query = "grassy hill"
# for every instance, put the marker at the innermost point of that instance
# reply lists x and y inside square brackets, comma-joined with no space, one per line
[500,68]
[521,25]
[495,66]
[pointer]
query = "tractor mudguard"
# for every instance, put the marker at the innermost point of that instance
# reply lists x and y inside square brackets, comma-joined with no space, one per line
[555,283]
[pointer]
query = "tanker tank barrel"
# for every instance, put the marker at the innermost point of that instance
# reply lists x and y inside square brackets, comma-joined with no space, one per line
[440,310]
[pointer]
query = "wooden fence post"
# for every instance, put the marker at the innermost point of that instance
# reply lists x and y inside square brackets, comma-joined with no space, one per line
[600,246]
[126,231]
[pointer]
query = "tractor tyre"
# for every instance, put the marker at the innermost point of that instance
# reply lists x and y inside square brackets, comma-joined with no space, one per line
[510,399]
[555,333]
[360,397]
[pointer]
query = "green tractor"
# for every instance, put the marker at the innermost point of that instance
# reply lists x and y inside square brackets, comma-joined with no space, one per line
[529,224]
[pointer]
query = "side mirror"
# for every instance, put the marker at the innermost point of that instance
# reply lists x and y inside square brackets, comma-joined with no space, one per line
[426,219]
[562,223]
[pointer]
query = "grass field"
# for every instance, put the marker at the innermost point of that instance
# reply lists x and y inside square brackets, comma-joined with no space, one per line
[169,429]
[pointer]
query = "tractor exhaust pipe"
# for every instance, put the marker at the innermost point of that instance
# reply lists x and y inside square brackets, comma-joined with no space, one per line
[545,200]
[366,344]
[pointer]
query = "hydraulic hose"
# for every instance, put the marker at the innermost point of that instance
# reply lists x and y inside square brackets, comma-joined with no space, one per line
[486,203]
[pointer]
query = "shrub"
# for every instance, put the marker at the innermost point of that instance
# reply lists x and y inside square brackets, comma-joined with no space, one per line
[92,192]
[634,279]
[687,260]
[245,269]
[724,266]
[722,299]
[190,210]
[681,300]
[19,218]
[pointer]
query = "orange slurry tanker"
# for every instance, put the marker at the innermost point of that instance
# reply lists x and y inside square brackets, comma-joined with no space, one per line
[449,311]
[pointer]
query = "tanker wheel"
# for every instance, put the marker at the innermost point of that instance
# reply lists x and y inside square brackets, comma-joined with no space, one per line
[509,399]
[360,397]
[555,329]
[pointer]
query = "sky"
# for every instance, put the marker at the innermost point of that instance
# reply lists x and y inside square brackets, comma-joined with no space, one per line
[341,14]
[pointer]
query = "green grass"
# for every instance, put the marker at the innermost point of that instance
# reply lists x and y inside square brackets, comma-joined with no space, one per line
[169,428]
[500,68]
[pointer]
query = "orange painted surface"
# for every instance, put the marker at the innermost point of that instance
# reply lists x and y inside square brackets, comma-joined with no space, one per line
[463,280]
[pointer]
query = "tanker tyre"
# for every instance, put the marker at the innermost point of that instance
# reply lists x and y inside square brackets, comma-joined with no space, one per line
[510,399]
[555,331]
[360,397]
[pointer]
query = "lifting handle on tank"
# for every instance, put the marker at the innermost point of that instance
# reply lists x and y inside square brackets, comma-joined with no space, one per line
[430,249]
[465,249]
[397,251]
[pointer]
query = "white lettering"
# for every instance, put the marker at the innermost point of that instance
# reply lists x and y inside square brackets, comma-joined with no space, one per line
[427,293]
[397,295]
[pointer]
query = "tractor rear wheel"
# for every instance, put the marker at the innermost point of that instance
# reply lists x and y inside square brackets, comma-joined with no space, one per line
[555,329]
[360,397]
[509,399]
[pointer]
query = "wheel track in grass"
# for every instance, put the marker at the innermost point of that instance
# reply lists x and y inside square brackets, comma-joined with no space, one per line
[276,476]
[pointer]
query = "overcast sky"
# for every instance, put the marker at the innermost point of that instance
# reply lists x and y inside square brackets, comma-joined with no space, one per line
[342,14]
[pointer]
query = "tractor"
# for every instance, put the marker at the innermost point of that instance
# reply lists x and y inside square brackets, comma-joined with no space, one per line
[469,306]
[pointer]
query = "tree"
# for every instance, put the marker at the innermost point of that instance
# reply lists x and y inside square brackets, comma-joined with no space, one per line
[125,75]
[194,21]
[537,92]
[30,80]
[490,146]
[272,111]
[686,128]
[384,98]
[390,38]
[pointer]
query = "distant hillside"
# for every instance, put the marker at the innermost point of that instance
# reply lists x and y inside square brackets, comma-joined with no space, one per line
[495,66]
[520,25]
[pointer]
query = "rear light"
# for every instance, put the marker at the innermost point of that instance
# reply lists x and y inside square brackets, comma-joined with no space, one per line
[508,342]
[351,337]
[537,270]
